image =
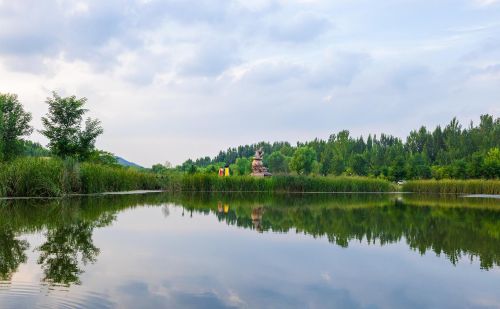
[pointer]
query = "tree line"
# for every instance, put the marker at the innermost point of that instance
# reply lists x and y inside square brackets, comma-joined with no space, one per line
[69,134]
[450,152]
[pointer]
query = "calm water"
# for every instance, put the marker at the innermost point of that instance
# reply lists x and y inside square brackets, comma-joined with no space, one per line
[234,251]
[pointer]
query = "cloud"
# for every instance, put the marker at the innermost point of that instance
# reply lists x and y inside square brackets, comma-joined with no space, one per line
[338,69]
[486,2]
[176,79]
[211,58]
[300,28]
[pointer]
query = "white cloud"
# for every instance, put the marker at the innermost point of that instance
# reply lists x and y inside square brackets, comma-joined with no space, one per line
[177,79]
[486,2]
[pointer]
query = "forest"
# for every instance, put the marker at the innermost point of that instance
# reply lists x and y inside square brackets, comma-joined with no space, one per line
[452,151]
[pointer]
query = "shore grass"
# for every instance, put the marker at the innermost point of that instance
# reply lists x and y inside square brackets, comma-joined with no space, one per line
[453,186]
[52,177]
[209,183]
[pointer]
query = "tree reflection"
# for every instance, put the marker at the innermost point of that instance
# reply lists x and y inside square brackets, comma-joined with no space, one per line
[453,228]
[64,249]
[12,253]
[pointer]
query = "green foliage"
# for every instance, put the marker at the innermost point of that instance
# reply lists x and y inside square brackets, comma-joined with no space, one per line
[32,149]
[63,128]
[418,168]
[277,163]
[453,186]
[449,152]
[97,178]
[398,169]
[158,168]
[242,167]
[211,183]
[359,165]
[44,177]
[14,123]
[32,177]
[303,160]
[492,163]
[103,157]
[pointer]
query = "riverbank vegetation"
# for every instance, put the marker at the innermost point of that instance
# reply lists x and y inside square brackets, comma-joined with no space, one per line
[284,183]
[453,152]
[71,164]
[453,186]
[52,177]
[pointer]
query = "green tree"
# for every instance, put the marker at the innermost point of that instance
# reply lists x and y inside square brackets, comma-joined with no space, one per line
[33,149]
[192,169]
[359,165]
[277,163]
[103,157]
[303,160]
[492,163]
[158,168]
[397,170]
[63,127]
[14,123]
[242,166]
[338,165]
[326,161]
[418,167]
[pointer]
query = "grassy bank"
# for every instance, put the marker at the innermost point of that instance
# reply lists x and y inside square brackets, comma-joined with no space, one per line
[197,183]
[47,177]
[452,186]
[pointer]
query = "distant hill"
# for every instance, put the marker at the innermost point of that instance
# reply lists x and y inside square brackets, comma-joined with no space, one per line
[124,162]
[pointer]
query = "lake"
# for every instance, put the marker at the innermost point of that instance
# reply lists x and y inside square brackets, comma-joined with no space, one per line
[250,251]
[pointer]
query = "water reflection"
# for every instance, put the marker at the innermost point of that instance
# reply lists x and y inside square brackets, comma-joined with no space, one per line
[64,250]
[453,227]
[450,227]
[12,253]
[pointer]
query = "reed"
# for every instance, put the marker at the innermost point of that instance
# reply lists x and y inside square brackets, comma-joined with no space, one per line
[31,177]
[52,177]
[453,186]
[209,183]
[96,178]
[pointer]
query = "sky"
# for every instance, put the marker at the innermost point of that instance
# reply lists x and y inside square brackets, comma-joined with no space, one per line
[178,79]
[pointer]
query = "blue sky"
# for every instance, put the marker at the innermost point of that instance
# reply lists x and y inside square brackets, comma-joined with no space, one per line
[180,79]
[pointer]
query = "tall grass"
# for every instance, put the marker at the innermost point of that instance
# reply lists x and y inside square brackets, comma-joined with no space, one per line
[97,178]
[47,177]
[31,177]
[452,186]
[201,183]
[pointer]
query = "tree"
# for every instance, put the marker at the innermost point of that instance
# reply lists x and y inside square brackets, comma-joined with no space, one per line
[103,157]
[397,170]
[192,169]
[14,123]
[158,168]
[303,160]
[492,163]
[338,165]
[63,128]
[277,163]
[242,166]
[418,167]
[326,161]
[359,165]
